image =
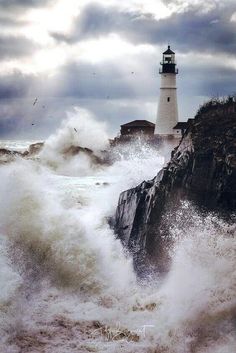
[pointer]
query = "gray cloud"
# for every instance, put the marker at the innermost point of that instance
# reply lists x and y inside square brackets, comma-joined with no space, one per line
[23,3]
[190,30]
[14,85]
[19,118]
[11,21]
[101,81]
[15,47]
[84,81]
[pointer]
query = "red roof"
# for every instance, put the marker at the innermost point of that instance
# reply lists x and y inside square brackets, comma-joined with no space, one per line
[139,123]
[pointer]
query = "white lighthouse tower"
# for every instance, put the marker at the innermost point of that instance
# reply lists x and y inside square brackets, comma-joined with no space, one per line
[167,115]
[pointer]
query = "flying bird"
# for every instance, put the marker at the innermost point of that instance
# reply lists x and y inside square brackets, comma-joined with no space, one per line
[75,129]
[35,101]
[32,124]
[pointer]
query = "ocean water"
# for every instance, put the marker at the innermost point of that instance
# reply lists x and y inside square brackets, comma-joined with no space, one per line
[16,145]
[67,284]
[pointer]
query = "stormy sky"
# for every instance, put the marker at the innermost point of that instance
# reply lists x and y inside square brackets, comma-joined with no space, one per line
[104,55]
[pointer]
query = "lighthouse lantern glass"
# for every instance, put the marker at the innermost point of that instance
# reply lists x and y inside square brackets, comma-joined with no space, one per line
[168,58]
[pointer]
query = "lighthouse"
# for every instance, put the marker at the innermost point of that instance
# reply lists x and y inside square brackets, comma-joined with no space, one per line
[167,114]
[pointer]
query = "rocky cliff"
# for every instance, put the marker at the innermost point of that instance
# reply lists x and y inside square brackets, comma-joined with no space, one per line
[202,169]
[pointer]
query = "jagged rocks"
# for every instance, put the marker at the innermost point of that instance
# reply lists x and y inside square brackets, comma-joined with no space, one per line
[202,169]
[75,150]
[35,148]
[9,155]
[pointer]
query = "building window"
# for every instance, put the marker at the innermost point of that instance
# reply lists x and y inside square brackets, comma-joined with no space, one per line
[168,99]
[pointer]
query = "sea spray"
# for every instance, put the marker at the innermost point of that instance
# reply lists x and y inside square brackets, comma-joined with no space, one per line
[82,130]
[10,277]
[56,240]
[72,288]
[198,294]
[131,164]
[48,242]
[79,129]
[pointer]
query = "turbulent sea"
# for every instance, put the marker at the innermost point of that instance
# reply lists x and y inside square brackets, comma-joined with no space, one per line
[67,284]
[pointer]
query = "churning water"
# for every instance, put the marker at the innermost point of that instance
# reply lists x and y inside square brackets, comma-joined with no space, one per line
[67,285]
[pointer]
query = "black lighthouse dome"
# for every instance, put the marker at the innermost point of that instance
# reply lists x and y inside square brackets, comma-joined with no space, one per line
[168,63]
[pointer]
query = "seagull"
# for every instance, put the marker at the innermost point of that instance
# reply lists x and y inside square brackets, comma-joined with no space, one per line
[75,129]
[36,99]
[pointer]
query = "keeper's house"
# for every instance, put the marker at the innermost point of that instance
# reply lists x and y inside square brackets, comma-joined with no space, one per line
[137,127]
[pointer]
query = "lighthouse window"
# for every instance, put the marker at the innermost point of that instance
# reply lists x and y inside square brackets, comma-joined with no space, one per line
[168,99]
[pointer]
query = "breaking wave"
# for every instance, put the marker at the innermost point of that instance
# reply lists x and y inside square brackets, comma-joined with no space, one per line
[69,286]
[79,129]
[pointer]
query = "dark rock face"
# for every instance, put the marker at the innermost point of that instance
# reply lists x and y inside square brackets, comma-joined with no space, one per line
[35,148]
[75,150]
[202,169]
[6,152]
[9,155]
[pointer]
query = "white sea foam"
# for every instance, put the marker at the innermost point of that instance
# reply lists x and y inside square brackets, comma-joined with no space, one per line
[79,129]
[72,244]
[62,266]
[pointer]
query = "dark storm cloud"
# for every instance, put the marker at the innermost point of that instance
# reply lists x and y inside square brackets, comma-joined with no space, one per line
[14,85]
[80,80]
[23,3]
[96,20]
[116,82]
[15,47]
[217,81]
[19,118]
[10,120]
[191,30]
[207,80]
[11,21]
[101,81]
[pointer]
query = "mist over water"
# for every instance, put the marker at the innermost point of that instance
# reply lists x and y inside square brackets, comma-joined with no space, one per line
[67,284]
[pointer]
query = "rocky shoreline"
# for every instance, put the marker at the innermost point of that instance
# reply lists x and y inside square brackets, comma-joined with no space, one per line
[7,156]
[202,170]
